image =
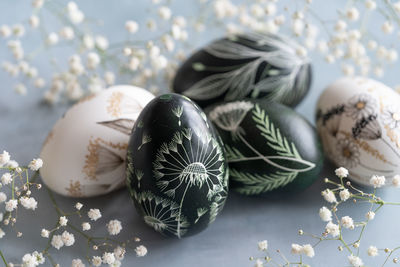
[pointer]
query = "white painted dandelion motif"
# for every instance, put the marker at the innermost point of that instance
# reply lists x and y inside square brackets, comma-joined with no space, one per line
[189,160]
[162,214]
[391,117]
[178,111]
[229,116]
[145,139]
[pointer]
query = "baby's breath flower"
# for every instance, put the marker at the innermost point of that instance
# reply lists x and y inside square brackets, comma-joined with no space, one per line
[6,178]
[68,238]
[5,31]
[93,60]
[263,245]
[67,33]
[355,261]
[296,249]
[308,250]
[86,226]
[94,214]
[108,258]
[29,203]
[377,181]
[35,164]
[370,4]
[3,197]
[370,215]
[396,181]
[131,26]
[341,172]
[352,14]
[119,253]
[57,242]
[344,194]
[52,38]
[45,233]
[37,3]
[11,205]
[77,263]
[29,260]
[347,222]
[114,227]
[109,77]
[372,251]
[101,42]
[63,221]
[325,214]
[78,206]
[34,21]
[4,158]
[332,229]
[329,196]
[96,261]
[164,13]
[141,251]
[2,233]
[387,27]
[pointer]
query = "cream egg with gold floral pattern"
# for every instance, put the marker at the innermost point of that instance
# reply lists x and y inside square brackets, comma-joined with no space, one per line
[85,152]
[358,120]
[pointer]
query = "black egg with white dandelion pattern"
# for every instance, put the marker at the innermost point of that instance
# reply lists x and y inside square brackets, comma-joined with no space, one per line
[176,170]
[258,66]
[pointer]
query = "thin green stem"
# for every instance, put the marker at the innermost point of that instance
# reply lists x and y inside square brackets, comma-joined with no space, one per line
[3,258]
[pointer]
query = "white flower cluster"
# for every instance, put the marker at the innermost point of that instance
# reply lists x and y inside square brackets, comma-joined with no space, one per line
[15,188]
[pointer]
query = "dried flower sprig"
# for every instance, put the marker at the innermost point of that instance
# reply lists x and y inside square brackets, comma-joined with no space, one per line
[106,249]
[346,38]
[341,192]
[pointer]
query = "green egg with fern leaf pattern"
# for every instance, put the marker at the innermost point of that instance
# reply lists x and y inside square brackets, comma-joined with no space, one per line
[269,147]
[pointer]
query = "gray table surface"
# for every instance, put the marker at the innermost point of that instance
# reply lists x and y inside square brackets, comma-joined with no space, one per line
[233,237]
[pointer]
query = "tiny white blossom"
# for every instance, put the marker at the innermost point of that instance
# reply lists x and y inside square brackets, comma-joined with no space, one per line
[20,89]
[57,242]
[34,21]
[39,83]
[63,221]
[396,181]
[355,261]
[340,26]
[344,194]
[263,245]
[108,258]
[78,206]
[77,263]
[37,3]
[39,257]
[4,158]
[35,164]
[372,251]
[370,215]
[308,250]
[131,26]
[341,172]
[2,233]
[332,229]
[352,14]
[96,261]
[296,249]
[86,226]
[67,33]
[88,41]
[377,181]
[93,60]
[5,31]
[114,227]
[134,63]
[325,214]
[11,205]
[28,260]
[387,27]
[45,233]
[329,196]
[18,30]
[68,238]
[141,251]
[101,42]
[370,4]
[76,16]
[372,45]
[109,77]
[94,214]
[6,178]
[29,203]
[119,253]
[52,38]
[164,13]
[259,263]
[3,197]
[347,222]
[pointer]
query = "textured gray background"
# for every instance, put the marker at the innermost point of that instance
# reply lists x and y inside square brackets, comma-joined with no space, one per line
[233,237]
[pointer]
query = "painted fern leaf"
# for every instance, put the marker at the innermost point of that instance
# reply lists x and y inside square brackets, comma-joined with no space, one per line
[233,153]
[258,184]
[275,140]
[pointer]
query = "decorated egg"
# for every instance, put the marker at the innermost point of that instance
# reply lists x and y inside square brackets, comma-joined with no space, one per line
[176,172]
[245,66]
[358,120]
[84,154]
[269,147]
